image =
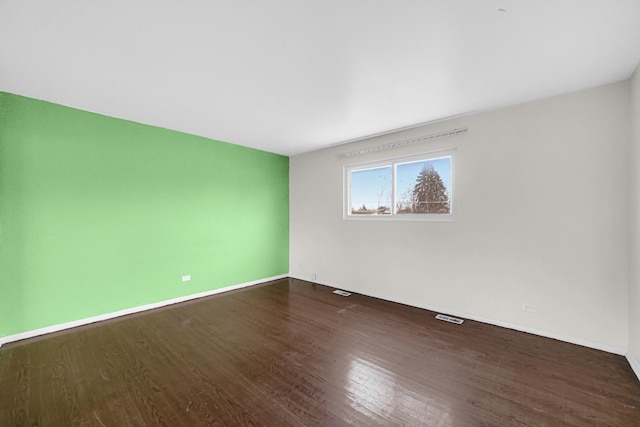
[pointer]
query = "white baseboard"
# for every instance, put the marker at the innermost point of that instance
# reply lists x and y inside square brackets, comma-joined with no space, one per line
[572,340]
[55,328]
[634,365]
[107,316]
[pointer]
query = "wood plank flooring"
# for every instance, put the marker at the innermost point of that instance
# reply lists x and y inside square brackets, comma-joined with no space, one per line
[290,353]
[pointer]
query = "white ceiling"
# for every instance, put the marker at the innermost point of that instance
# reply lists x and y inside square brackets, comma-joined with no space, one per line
[291,76]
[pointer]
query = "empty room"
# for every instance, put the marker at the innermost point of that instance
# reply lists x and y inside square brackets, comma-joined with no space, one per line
[305,213]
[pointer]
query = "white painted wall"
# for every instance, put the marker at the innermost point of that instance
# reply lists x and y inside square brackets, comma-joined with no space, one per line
[542,218]
[634,291]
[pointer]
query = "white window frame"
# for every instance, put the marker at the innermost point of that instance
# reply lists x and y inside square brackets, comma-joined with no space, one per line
[393,163]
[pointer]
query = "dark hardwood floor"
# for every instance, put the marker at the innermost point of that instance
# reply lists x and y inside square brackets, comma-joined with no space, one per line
[290,353]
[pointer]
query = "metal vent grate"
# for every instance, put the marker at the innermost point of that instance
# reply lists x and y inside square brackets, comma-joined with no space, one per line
[341,292]
[449,319]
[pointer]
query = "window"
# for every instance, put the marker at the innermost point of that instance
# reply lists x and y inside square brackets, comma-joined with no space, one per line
[417,187]
[371,191]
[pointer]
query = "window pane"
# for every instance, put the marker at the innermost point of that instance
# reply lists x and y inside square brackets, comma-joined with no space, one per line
[424,187]
[371,191]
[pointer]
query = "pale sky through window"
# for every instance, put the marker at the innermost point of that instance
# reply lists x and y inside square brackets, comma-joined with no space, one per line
[371,187]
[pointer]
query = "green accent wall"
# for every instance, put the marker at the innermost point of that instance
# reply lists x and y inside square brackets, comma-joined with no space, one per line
[99,214]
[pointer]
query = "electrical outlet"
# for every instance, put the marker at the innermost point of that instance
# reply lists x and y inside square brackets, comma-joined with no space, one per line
[530,308]
[314,276]
[186,278]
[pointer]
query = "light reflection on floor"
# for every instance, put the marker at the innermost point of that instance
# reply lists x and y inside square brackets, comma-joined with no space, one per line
[377,393]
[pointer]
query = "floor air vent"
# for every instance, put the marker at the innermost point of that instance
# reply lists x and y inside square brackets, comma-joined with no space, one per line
[449,319]
[343,293]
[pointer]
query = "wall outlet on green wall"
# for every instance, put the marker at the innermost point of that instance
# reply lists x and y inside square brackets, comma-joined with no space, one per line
[186,278]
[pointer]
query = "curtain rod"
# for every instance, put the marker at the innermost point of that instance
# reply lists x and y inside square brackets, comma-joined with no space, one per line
[396,144]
